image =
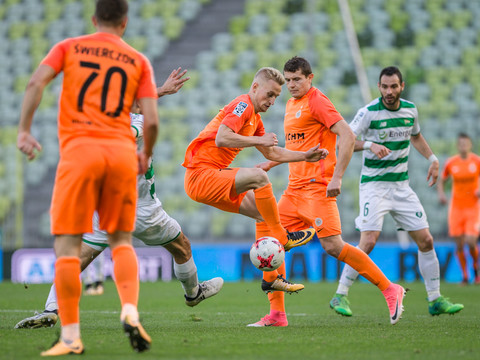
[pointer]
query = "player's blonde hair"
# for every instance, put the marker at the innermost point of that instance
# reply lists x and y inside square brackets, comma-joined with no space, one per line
[270,73]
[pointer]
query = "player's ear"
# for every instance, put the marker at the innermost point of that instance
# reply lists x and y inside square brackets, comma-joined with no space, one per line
[94,20]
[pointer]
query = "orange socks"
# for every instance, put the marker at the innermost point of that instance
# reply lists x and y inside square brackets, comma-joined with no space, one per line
[277,298]
[125,268]
[361,262]
[267,207]
[69,289]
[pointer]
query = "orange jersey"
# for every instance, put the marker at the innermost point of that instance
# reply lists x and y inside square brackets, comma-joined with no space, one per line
[307,123]
[465,174]
[102,77]
[239,116]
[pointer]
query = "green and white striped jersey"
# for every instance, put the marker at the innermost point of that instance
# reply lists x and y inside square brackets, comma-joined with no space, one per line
[392,129]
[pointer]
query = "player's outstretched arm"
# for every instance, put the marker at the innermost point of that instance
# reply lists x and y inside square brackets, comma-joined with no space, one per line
[419,143]
[173,83]
[281,155]
[228,138]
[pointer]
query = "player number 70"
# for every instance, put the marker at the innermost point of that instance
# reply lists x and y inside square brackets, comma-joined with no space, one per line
[106,83]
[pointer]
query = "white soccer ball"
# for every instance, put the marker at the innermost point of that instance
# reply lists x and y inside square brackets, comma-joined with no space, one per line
[267,254]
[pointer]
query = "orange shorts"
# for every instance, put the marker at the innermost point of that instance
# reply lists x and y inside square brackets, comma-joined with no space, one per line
[93,177]
[215,187]
[300,209]
[463,221]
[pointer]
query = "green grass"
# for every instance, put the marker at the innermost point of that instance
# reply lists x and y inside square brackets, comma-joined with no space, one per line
[216,329]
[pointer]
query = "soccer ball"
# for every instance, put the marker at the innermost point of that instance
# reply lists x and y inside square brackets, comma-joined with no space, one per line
[267,254]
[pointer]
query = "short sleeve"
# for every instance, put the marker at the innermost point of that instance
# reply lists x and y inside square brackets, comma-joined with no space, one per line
[416,124]
[56,56]
[236,114]
[323,110]
[360,123]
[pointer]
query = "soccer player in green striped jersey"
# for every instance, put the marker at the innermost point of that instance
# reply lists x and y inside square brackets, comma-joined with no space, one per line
[386,127]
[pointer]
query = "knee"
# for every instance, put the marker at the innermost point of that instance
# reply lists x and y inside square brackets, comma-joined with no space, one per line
[259,178]
[332,245]
[426,244]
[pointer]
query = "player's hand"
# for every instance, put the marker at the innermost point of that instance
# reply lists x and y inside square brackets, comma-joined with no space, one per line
[315,154]
[334,187]
[28,145]
[380,150]
[265,166]
[142,162]
[269,139]
[442,198]
[173,83]
[433,173]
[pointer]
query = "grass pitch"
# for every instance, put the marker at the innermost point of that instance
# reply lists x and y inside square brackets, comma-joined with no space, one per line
[215,329]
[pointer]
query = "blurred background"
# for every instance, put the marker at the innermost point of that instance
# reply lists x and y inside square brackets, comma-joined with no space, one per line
[222,43]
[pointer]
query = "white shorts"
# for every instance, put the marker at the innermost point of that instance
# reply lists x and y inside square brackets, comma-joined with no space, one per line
[153,227]
[378,199]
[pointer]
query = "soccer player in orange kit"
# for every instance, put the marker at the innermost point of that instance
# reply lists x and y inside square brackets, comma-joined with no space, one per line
[310,198]
[464,211]
[247,191]
[98,164]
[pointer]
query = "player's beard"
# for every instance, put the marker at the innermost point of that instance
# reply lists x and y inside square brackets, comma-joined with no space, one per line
[391,101]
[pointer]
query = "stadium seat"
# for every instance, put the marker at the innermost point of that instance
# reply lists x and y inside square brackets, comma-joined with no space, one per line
[434,42]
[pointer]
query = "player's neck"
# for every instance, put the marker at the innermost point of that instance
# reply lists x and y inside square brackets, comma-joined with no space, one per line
[118,31]
[464,155]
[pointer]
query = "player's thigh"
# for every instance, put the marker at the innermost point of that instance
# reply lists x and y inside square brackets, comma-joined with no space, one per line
[214,187]
[250,178]
[408,211]
[321,212]
[117,204]
[289,215]
[456,222]
[154,227]
[76,189]
[473,224]
[465,221]
[375,203]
